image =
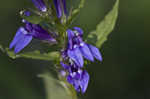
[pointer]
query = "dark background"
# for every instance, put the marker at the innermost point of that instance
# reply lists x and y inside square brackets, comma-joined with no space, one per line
[124,73]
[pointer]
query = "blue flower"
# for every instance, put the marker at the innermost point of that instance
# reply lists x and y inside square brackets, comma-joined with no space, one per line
[60,6]
[21,40]
[25,34]
[77,48]
[77,77]
[39,4]
[73,50]
[76,56]
[73,55]
[95,52]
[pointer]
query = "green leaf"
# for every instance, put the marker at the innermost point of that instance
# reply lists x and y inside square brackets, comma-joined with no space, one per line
[35,55]
[35,19]
[104,28]
[57,89]
[76,11]
[51,56]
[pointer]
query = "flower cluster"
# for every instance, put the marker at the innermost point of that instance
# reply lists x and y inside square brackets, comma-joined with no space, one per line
[75,51]
[25,34]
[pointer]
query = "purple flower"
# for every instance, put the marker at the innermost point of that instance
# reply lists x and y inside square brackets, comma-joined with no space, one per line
[77,77]
[25,34]
[60,6]
[79,30]
[79,80]
[39,4]
[27,13]
[73,54]
[76,56]
[73,50]
[77,48]
[21,40]
[95,52]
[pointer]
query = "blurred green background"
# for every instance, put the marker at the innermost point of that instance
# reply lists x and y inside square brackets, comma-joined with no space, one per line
[124,73]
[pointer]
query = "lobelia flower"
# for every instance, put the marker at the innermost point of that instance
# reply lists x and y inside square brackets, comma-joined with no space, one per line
[77,77]
[75,52]
[77,48]
[60,6]
[25,34]
[39,4]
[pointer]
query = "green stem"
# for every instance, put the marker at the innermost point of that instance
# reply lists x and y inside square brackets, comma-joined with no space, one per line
[68,87]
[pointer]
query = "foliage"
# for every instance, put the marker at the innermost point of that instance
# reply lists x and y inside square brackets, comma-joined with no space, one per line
[104,28]
[56,89]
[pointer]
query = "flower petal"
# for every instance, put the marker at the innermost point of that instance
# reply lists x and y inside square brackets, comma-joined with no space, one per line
[76,85]
[27,13]
[86,51]
[79,30]
[70,79]
[43,35]
[84,81]
[39,33]
[74,82]
[76,56]
[65,7]
[57,4]
[64,66]
[39,4]
[21,31]
[62,73]
[23,42]
[70,34]
[95,52]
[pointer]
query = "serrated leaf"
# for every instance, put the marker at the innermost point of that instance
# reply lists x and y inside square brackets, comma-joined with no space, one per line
[56,89]
[104,28]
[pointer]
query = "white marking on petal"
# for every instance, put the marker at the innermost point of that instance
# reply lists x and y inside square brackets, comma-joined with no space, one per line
[23,31]
[82,44]
[76,33]
[79,71]
[75,46]
[44,9]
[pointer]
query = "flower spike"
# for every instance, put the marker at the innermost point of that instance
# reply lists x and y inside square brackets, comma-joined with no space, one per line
[76,50]
[53,17]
